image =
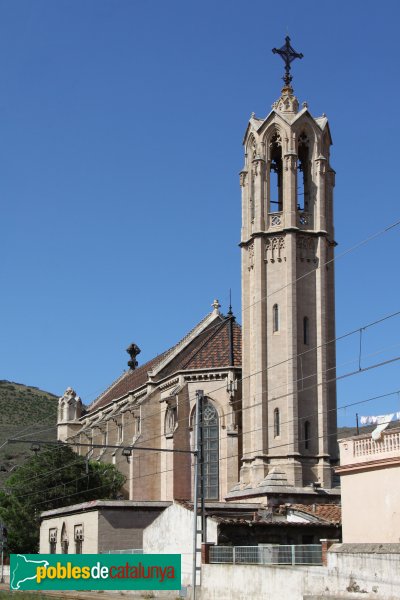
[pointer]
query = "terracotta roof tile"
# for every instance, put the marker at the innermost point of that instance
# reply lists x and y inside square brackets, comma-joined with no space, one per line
[328,512]
[126,383]
[210,349]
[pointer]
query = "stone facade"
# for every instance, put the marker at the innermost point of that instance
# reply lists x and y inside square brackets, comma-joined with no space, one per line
[275,433]
[153,406]
[289,392]
[99,526]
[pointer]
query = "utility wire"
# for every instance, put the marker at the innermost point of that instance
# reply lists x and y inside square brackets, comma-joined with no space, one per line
[344,253]
[300,354]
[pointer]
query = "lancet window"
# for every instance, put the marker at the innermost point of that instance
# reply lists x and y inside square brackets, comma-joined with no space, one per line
[277,423]
[303,174]
[275,192]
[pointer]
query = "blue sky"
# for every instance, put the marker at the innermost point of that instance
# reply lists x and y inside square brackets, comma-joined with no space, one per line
[121,125]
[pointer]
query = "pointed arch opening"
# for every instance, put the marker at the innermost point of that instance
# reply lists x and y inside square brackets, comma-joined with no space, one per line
[303,174]
[275,175]
[64,539]
[209,443]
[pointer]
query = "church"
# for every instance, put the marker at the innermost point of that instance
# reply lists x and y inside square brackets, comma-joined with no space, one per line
[269,413]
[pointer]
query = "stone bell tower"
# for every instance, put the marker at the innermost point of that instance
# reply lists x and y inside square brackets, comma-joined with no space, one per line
[287,241]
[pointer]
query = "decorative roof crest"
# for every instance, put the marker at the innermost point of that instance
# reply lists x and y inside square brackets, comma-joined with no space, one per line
[287,103]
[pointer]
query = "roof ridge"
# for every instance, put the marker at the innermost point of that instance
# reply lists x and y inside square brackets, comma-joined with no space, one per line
[196,330]
[121,377]
[98,398]
[209,338]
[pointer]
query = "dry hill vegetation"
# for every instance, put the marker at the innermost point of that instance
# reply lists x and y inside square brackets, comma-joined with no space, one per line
[28,412]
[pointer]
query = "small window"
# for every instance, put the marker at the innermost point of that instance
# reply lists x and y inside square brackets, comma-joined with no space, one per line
[78,538]
[277,423]
[275,318]
[104,438]
[306,333]
[307,435]
[64,540]
[53,541]
[120,433]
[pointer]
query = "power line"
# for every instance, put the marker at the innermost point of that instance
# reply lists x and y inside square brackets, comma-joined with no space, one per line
[300,379]
[231,455]
[351,249]
[344,253]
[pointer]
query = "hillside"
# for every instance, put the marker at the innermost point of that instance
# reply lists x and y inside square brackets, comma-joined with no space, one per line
[27,412]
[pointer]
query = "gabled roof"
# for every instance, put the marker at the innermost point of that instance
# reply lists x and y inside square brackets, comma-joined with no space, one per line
[214,343]
[331,513]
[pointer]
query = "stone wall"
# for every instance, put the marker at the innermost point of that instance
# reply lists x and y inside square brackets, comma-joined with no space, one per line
[353,571]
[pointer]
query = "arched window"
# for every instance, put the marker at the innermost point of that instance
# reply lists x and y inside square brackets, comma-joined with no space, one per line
[306,333]
[307,434]
[275,175]
[277,423]
[275,318]
[303,167]
[64,540]
[210,440]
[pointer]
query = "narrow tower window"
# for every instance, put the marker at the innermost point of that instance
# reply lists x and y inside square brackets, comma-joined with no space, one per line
[306,333]
[275,318]
[304,174]
[307,435]
[275,175]
[252,207]
[277,423]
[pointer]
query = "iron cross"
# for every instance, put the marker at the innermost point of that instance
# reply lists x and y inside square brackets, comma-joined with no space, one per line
[288,54]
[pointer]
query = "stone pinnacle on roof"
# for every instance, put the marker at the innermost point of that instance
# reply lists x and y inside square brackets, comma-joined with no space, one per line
[216,305]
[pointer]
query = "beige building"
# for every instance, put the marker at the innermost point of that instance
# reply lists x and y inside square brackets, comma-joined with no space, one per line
[370,469]
[153,406]
[289,392]
[275,434]
[97,526]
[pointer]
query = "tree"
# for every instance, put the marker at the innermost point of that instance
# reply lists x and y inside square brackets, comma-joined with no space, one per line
[52,478]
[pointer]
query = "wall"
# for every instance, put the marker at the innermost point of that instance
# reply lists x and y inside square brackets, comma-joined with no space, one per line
[172,532]
[123,529]
[89,519]
[375,517]
[356,571]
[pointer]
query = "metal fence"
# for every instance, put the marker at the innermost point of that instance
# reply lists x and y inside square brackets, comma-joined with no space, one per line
[128,551]
[268,554]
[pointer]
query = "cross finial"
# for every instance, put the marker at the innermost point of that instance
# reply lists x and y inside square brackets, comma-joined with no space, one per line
[288,54]
[216,305]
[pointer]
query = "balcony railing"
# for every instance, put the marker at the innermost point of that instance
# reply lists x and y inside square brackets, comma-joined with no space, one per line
[362,449]
[268,554]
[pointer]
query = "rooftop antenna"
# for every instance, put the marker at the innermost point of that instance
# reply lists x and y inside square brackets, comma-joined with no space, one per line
[230,313]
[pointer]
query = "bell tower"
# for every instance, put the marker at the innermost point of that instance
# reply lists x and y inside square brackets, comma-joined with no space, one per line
[287,241]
